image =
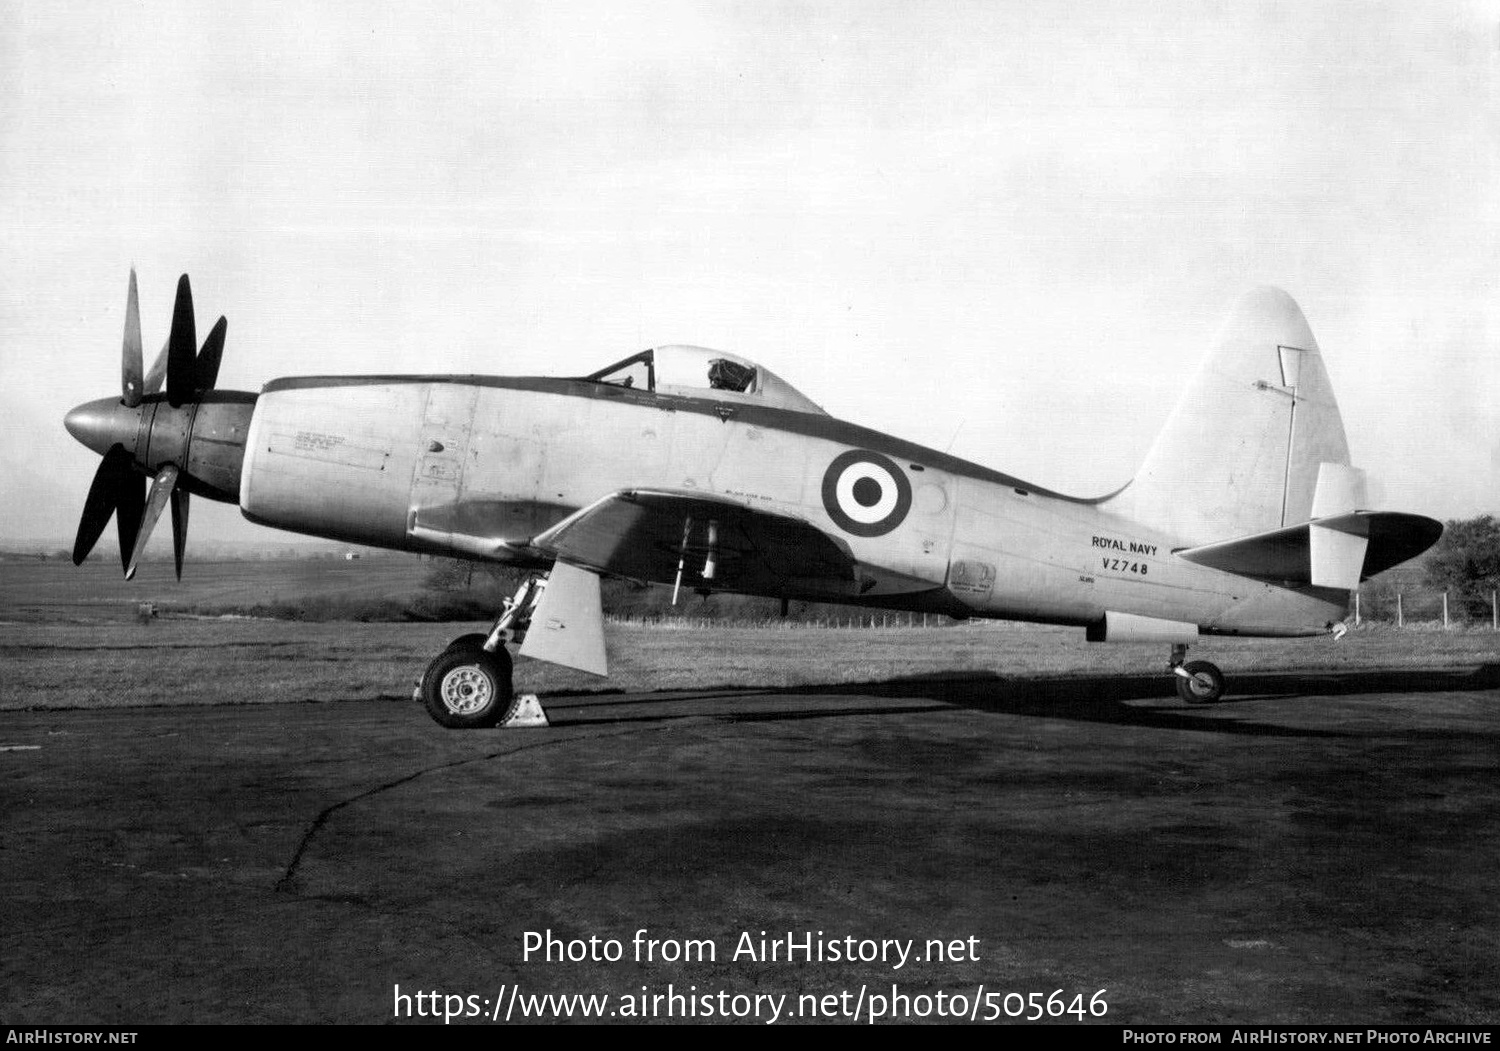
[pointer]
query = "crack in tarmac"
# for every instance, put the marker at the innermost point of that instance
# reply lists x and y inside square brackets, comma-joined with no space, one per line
[284,884]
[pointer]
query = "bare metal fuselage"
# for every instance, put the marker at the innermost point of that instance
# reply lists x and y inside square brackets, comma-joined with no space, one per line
[477,466]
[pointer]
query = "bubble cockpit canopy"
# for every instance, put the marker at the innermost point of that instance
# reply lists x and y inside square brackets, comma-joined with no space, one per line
[698,372]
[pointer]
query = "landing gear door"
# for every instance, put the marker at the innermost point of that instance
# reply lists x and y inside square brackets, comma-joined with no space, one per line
[447,421]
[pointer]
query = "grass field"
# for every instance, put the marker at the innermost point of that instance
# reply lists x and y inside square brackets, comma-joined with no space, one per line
[36,591]
[208,662]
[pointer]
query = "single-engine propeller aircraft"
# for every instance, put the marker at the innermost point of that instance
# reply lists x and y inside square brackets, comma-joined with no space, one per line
[683,466]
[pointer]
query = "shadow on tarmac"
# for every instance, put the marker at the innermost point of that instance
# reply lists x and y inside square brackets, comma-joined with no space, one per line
[1094,699]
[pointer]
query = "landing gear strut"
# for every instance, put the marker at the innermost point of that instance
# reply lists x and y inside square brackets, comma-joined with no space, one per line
[1198,682]
[468,686]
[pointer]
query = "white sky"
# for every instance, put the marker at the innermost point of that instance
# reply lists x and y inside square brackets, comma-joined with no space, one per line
[1009,226]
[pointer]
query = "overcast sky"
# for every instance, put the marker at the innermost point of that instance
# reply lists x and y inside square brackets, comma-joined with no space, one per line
[1008,228]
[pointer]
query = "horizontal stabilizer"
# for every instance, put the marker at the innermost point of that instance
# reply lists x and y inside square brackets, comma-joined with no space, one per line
[1338,551]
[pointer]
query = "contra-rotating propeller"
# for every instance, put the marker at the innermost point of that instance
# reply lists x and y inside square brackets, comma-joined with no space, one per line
[145,433]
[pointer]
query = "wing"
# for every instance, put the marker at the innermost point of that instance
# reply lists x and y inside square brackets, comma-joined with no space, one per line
[720,543]
[1338,551]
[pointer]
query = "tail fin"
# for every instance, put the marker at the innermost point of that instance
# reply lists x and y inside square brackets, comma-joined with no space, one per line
[1241,452]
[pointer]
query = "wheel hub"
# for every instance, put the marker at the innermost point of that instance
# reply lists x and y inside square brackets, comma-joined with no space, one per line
[467,690]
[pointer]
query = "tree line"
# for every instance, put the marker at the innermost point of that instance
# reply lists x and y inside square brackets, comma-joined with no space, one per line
[1466,563]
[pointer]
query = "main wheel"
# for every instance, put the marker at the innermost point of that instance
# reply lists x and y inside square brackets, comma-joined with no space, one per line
[1206,685]
[467,688]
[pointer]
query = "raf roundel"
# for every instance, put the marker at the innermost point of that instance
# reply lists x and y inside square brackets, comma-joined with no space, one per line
[865,493]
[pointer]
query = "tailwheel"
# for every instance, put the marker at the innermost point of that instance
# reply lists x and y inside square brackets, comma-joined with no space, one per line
[467,687]
[1199,682]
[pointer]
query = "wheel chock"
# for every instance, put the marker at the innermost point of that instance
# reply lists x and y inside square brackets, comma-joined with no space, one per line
[525,711]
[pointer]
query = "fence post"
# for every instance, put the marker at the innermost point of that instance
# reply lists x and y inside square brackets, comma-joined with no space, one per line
[1494,612]
[1356,608]
[1400,620]
[1445,611]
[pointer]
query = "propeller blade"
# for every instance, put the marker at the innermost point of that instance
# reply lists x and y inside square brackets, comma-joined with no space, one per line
[182,353]
[130,351]
[180,506]
[129,504]
[104,494]
[207,373]
[158,370]
[161,488]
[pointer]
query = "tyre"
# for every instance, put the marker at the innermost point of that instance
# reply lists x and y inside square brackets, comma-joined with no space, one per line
[1206,685]
[466,689]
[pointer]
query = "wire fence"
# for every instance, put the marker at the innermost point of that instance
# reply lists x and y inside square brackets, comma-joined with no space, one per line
[850,621]
[1403,608]
[1416,607]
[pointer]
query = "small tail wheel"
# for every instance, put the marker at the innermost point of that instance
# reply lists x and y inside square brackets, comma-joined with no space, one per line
[1203,684]
[466,688]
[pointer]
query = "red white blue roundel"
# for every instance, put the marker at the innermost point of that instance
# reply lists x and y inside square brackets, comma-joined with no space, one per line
[865,493]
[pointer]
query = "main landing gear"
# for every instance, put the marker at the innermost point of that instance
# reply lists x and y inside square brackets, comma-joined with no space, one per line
[1198,682]
[468,686]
